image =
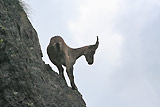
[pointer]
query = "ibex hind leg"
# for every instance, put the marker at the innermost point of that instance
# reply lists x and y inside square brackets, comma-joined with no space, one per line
[57,46]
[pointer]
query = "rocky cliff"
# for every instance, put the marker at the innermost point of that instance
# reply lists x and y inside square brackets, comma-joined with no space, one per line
[25,80]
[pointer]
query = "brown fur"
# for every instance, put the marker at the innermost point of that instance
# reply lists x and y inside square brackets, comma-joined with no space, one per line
[61,54]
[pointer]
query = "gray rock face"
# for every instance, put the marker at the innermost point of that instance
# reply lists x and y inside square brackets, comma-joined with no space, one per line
[25,80]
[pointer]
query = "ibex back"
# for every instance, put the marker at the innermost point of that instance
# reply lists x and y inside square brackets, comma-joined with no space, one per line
[61,54]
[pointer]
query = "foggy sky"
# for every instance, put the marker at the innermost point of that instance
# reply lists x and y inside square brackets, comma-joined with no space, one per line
[126,70]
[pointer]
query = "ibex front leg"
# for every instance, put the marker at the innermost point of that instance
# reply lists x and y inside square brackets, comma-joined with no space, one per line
[71,77]
[61,70]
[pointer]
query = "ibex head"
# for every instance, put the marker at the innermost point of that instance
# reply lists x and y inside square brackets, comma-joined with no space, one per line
[89,53]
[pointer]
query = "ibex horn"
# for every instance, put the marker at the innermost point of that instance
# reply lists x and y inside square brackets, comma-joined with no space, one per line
[97,43]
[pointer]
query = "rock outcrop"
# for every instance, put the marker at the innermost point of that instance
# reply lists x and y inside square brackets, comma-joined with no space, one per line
[25,80]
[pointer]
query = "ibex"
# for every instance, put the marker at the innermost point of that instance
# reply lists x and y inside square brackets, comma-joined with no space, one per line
[61,54]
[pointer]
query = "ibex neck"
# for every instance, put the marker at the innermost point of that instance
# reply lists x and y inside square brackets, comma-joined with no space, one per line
[78,52]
